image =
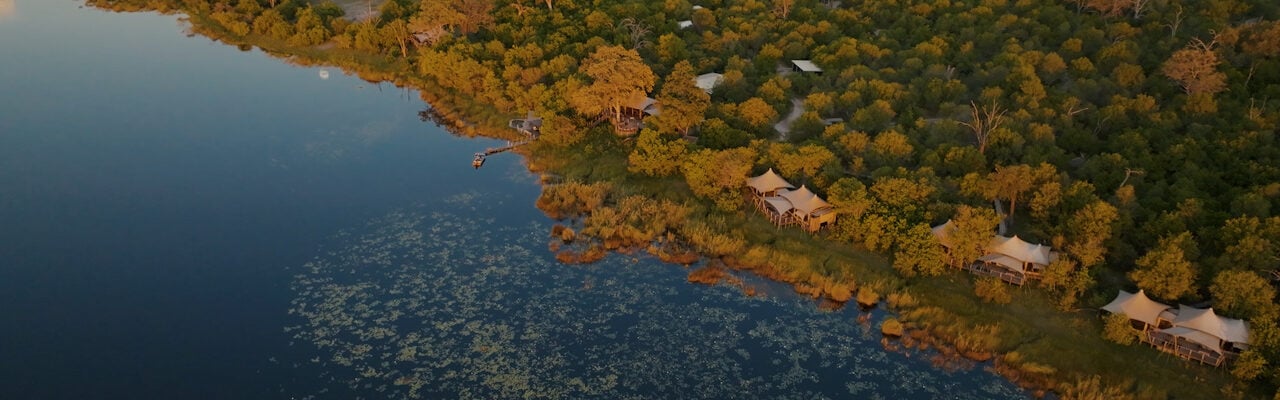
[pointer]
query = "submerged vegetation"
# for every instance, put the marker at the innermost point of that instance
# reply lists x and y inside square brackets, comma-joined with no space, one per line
[1136,137]
[424,303]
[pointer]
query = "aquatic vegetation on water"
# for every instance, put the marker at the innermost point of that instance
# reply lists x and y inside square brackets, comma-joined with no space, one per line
[422,304]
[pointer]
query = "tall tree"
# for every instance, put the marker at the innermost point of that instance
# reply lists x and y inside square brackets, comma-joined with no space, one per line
[1251,242]
[1195,68]
[756,112]
[1011,182]
[1165,271]
[918,253]
[476,14]
[637,31]
[782,8]
[972,228]
[719,175]
[1110,8]
[1263,39]
[683,102]
[398,30]
[803,162]
[982,121]
[1244,294]
[434,20]
[1088,229]
[618,76]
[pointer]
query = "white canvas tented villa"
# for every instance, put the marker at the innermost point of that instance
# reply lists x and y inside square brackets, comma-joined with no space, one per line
[1193,333]
[768,184]
[1140,308]
[785,206]
[1011,259]
[1018,255]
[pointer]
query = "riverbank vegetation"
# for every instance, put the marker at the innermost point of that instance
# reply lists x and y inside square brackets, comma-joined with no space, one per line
[1136,137]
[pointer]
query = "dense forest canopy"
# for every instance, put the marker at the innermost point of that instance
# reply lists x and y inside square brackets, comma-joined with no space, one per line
[1136,136]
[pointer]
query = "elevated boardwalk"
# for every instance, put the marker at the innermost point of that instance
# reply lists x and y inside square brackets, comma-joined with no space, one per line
[478,161]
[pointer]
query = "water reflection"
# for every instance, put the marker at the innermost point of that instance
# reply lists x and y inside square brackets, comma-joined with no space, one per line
[8,9]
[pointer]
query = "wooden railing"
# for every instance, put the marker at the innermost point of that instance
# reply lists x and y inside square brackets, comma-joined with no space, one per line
[981,269]
[1169,344]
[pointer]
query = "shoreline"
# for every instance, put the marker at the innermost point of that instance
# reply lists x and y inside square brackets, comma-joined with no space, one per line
[942,322]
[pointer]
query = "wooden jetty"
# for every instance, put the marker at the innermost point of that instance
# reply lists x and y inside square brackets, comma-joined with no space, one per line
[478,161]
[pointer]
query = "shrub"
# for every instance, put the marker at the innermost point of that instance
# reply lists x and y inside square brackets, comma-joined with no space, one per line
[891,327]
[712,240]
[1118,329]
[636,220]
[571,199]
[867,297]
[903,300]
[992,290]
[1092,388]
[1250,365]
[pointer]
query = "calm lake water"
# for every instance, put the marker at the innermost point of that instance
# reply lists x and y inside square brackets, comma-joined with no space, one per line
[183,219]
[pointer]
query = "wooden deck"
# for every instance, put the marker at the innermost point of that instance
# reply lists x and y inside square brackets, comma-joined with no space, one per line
[982,269]
[1169,344]
[627,125]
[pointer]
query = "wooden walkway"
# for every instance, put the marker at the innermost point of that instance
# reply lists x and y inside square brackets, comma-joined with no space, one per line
[509,146]
[478,161]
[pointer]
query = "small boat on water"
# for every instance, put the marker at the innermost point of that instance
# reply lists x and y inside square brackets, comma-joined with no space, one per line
[478,161]
[324,74]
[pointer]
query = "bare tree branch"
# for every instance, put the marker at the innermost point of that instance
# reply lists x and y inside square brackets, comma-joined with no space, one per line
[984,120]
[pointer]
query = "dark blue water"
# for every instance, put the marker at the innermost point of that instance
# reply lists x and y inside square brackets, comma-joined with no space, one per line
[168,202]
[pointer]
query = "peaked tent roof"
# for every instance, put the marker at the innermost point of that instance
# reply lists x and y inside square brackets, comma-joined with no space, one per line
[943,233]
[812,205]
[708,81]
[1205,320]
[1004,261]
[804,200]
[1136,306]
[1237,330]
[1020,249]
[1193,335]
[778,204]
[798,195]
[768,182]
